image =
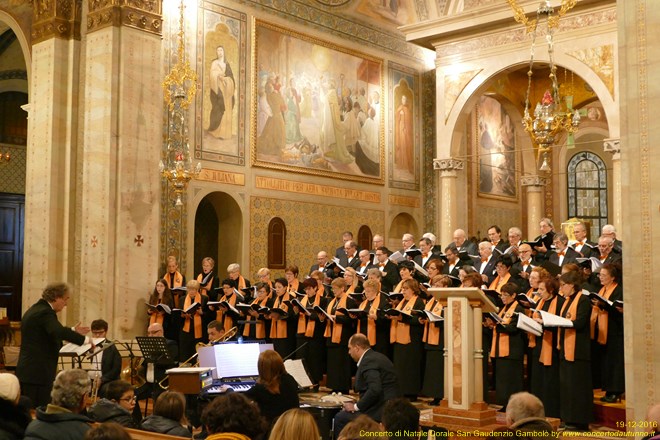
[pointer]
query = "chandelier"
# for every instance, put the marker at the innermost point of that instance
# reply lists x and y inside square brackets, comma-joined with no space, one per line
[5,157]
[180,86]
[551,116]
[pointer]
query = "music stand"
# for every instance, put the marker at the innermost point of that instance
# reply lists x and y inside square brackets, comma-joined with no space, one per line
[154,349]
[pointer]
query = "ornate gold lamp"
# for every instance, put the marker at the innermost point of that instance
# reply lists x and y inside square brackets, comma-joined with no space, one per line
[5,157]
[552,115]
[180,86]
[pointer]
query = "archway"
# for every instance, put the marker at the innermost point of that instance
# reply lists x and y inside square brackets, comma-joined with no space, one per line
[403,223]
[218,231]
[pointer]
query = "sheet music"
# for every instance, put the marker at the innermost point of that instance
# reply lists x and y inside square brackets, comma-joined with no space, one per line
[72,348]
[529,325]
[235,360]
[296,369]
[550,320]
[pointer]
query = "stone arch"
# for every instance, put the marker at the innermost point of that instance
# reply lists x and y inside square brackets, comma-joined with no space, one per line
[218,231]
[22,40]
[402,223]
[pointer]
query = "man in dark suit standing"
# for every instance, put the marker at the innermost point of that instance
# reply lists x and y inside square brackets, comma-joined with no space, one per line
[350,259]
[462,244]
[41,340]
[487,262]
[426,247]
[582,245]
[389,270]
[375,381]
[562,254]
[322,265]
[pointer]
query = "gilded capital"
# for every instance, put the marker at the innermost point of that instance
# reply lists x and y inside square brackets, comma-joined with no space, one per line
[535,180]
[145,15]
[448,164]
[56,19]
[613,146]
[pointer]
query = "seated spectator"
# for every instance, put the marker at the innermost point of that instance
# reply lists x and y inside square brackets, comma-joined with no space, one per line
[276,390]
[108,431]
[360,428]
[233,414]
[169,415]
[117,405]
[295,423]
[402,416]
[62,418]
[13,417]
[525,415]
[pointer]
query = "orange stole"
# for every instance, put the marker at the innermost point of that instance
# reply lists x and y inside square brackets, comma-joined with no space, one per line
[178,282]
[207,287]
[260,330]
[498,283]
[156,317]
[278,326]
[306,325]
[502,339]
[570,335]
[336,327]
[397,289]
[546,343]
[227,321]
[601,317]
[399,330]
[371,323]
[196,318]
[241,282]
[293,286]
[431,332]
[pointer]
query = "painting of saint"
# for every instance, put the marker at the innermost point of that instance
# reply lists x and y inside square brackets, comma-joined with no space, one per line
[311,113]
[404,134]
[496,145]
[221,67]
[223,87]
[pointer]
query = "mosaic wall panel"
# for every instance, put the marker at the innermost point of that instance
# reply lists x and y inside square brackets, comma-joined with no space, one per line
[489,215]
[310,227]
[429,149]
[13,172]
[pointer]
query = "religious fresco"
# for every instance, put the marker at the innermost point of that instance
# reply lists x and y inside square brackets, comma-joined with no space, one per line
[316,107]
[397,12]
[495,146]
[404,136]
[221,74]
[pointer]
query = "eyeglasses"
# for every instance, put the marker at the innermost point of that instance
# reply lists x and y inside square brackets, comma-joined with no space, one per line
[128,399]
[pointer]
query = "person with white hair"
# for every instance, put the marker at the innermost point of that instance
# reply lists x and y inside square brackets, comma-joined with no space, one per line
[610,231]
[62,419]
[14,418]
[525,415]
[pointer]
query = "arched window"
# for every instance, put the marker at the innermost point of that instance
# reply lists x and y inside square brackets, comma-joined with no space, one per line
[276,244]
[587,190]
[364,237]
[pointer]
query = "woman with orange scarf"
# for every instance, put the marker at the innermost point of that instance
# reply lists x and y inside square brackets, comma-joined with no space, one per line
[434,344]
[291,275]
[406,336]
[257,327]
[607,331]
[310,341]
[373,323]
[544,381]
[507,346]
[192,331]
[283,325]
[575,388]
[337,332]
[161,295]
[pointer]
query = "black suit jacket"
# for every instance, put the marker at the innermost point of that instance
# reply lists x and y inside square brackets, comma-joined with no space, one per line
[571,256]
[329,273]
[418,259]
[453,272]
[355,262]
[489,270]
[110,365]
[522,283]
[588,251]
[41,340]
[376,382]
[390,276]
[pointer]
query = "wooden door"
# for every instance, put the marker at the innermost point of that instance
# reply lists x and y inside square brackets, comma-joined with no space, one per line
[12,224]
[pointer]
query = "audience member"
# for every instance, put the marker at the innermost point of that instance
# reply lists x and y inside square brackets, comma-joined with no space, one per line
[233,413]
[276,390]
[399,415]
[169,415]
[360,428]
[13,417]
[108,431]
[525,416]
[62,418]
[295,423]
[117,405]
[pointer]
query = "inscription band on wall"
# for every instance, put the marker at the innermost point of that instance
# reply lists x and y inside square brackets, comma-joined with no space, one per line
[222,177]
[314,189]
[411,202]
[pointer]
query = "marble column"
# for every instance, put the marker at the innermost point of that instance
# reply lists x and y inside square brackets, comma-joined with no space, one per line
[52,127]
[448,206]
[535,212]
[613,146]
[639,67]
[122,116]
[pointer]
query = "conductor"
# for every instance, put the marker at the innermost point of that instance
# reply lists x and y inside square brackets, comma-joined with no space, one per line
[41,340]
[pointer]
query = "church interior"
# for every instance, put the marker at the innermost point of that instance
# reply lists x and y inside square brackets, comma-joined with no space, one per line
[437,92]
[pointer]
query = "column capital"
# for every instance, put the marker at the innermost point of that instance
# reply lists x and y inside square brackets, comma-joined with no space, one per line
[146,15]
[448,165]
[613,146]
[56,19]
[533,182]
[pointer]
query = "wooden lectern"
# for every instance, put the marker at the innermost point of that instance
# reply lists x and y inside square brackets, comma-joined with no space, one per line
[189,380]
[463,404]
